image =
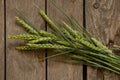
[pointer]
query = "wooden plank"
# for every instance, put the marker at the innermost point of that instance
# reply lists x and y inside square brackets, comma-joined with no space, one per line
[1,40]
[59,70]
[116,39]
[23,65]
[102,19]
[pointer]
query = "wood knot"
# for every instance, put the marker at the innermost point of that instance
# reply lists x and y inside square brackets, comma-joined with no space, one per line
[110,43]
[96,5]
[73,1]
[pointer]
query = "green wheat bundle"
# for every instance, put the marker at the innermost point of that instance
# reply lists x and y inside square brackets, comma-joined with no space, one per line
[67,40]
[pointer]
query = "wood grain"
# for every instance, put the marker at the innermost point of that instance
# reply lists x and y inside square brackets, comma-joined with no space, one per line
[102,19]
[59,70]
[23,65]
[1,40]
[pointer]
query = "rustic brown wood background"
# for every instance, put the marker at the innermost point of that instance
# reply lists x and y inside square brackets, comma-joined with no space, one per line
[100,17]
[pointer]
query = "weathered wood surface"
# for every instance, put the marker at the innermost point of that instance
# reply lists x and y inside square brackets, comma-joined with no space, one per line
[102,20]
[1,39]
[59,70]
[23,65]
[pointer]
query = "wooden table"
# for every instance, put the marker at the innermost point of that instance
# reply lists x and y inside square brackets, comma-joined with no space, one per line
[100,17]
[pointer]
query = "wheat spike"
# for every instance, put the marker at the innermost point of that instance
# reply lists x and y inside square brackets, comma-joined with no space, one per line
[25,48]
[50,46]
[88,44]
[100,45]
[25,36]
[26,26]
[41,40]
[47,34]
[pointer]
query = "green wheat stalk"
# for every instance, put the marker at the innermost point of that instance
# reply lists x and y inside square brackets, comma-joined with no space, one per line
[70,40]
